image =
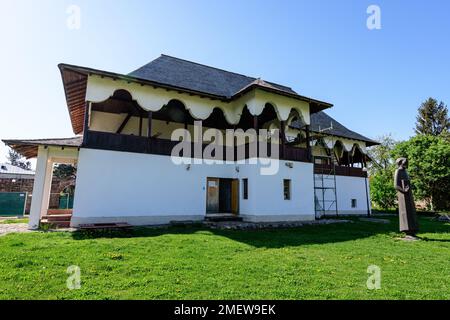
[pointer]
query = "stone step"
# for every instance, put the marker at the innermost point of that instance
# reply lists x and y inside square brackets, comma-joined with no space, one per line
[105,226]
[61,217]
[56,224]
[224,218]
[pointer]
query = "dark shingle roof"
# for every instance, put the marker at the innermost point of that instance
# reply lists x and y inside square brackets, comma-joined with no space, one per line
[321,120]
[198,77]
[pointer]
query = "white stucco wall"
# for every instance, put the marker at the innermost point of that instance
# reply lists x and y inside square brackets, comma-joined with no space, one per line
[348,188]
[149,189]
[266,198]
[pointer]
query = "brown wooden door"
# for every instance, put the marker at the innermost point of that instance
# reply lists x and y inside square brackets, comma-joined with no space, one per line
[235,197]
[212,195]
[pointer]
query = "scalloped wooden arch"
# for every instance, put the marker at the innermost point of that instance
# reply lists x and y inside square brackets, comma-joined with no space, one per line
[153,99]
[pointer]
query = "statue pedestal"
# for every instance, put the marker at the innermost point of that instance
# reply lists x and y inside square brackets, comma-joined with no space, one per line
[409,238]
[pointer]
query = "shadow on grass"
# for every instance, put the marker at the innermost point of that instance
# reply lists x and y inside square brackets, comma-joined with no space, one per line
[278,238]
[426,239]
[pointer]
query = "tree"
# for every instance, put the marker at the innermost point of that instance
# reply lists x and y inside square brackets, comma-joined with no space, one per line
[382,190]
[429,168]
[432,118]
[17,160]
[65,171]
[381,154]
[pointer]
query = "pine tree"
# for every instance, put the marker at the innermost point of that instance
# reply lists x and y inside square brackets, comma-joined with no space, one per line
[15,159]
[432,118]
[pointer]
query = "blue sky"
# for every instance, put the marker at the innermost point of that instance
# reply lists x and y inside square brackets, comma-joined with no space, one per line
[375,78]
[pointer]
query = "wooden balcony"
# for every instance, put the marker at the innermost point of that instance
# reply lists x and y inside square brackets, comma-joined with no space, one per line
[340,170]
[137,144]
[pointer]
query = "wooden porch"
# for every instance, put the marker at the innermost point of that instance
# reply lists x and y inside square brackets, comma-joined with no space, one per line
[157,146]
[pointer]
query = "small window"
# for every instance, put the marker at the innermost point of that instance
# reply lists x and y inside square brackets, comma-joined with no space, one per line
[287,189]
[245,188]
[354,203]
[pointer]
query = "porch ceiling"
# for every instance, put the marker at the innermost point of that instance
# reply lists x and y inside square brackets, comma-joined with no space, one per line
[29,148]
[75,85]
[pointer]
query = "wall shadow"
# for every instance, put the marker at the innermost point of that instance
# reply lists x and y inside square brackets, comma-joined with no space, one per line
[279,238]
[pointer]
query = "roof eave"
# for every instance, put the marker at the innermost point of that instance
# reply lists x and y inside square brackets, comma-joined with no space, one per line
[29,148]
[368,142]
[117,76]
[316,105]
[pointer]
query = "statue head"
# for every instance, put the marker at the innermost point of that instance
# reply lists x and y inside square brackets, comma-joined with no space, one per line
[402,163]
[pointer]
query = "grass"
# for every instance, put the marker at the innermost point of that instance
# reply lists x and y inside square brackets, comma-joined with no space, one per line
[14,221]
[313,262]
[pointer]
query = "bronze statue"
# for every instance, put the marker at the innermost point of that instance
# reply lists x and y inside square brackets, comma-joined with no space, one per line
[406,205]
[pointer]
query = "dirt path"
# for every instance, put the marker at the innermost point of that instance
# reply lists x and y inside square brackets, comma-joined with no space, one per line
[12,228]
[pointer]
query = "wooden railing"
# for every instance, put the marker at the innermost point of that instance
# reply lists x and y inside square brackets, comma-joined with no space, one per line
[137,144]
[294,154]
[340,170]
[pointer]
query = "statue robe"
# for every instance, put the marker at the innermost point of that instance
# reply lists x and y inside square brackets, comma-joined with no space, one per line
[406,205]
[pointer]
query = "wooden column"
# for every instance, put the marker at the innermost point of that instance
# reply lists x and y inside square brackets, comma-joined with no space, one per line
[283,136]
[149,132]
[348,159]
[308,143]
[86,122]
[149,127]
[255,126]
[186,134]
[140,125]
[255,122]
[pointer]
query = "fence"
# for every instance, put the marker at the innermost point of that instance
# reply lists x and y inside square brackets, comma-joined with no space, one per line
[12,203]
[60,201]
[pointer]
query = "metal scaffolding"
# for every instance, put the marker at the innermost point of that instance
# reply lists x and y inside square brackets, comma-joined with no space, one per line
[325,194]
[325,189]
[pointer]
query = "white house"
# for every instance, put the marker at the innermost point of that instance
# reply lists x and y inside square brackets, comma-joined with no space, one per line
[124,152]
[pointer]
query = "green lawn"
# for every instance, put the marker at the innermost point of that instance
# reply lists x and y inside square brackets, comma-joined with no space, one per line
[13,221]
[314,262]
